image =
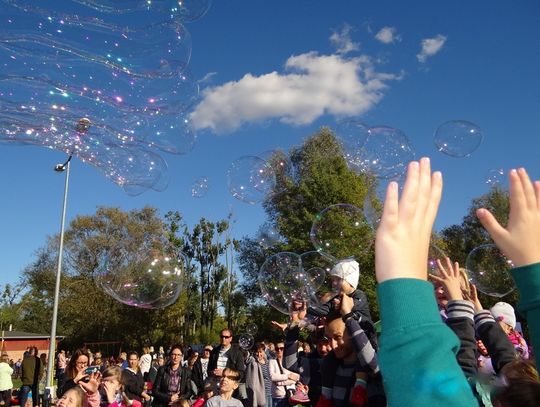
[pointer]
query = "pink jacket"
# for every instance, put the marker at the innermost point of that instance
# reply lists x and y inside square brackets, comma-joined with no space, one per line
[279,380]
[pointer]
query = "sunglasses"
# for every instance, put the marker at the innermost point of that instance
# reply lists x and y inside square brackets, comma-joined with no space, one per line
[280,348]
[224,337]
[208,350]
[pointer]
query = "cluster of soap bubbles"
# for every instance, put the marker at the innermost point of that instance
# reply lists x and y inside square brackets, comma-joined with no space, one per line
[287,278]
[104,80]
[246,340]
[251,178]
[148,276]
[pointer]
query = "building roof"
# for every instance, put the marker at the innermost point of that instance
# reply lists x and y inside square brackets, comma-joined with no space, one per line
[27,335]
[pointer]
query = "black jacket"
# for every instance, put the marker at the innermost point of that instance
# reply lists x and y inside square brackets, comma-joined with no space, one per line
[197,374]
[160,391]
[235,360]
[133,384]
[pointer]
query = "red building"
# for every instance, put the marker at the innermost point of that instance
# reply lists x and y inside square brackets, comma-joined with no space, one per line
[15,343]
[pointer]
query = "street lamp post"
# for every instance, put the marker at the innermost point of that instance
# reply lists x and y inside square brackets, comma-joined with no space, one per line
[65,167]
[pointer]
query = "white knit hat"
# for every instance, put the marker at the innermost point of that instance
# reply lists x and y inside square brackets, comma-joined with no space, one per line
[502,311]
[348,270]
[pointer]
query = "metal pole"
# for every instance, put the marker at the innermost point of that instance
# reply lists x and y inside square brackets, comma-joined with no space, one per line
[52,342]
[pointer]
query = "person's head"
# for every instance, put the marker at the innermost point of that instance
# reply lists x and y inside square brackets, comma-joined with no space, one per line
[5,358]
[271,347]
[97,361]
[348,273]
[520,369]
[259,351]
[32,351]
[74,397]
[505,315]
[206,352]
[160,360]
[280,348]
[145,350]
[440,295]
[321,342]
[338,338]
[523,393]
[77,363]
[122,357]
[209,390]
[307,348]
[112,375]
[43,358]
[177,352]
[226,336]
[193,358]
[133,360]
[229,381]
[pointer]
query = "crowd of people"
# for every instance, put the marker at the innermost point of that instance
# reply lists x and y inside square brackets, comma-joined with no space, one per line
[438,345]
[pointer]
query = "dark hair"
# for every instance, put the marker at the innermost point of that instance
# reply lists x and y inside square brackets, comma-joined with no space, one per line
[177,346]
[231,374]
[228,330]
[259,346]
[71,368]
[519,393]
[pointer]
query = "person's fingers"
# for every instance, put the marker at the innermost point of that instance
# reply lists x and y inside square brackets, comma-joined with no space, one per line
[488,221]
[391,207]
[436,278]
[517,195]
[441,268]
[434,198]
[409,198]
[456,269]
[528,188]
[448,265]
[424,187]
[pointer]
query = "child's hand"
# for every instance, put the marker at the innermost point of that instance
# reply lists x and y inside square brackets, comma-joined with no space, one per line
[450,278]
[520,241]
[402,243]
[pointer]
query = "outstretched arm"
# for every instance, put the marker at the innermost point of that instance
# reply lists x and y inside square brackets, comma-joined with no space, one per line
[520,242]
[413,334]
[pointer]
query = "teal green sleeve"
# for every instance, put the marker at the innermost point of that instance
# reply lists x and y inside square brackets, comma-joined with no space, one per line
[417,356]
[527,279]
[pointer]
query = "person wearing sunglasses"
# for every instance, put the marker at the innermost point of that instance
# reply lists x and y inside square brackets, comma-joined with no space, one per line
[227,355]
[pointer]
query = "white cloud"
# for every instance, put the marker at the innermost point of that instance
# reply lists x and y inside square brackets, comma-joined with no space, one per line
[387,35]
[311,86]
[343,42]
[431,46]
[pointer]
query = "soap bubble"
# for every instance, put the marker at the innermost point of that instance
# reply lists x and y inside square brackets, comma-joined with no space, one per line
[372,210]
[281,165]
[458,138]
[267,236]
[251,329]
[192,10]
[385,153]
[250,178]
[352,135]
[496,178]
[434,254]
[340,231]
[321,285]
[489,270]
[151,278]
[65,64]
[278,280]
[246,341]
[200,187]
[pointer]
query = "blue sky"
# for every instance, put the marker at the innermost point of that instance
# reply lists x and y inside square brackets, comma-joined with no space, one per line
[481,65]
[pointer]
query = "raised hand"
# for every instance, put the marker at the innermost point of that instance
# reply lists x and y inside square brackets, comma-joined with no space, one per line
[520,240]
[402,242]
[450,279]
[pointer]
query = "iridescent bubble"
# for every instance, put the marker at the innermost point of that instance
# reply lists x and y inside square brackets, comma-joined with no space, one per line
[385,153]
[246,341]
[282,166]
[267,236]
[341,231]
[496,178]
[250,178]
[150,278]
[278,282]
[199,188]
[372,210]
[434,254]
[458,138]
[321,285]
[489,270]
[252,328]
[352,135]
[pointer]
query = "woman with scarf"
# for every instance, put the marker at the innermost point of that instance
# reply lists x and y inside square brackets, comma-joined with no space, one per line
[173,382]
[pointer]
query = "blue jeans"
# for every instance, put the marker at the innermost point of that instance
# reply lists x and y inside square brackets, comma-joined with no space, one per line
[280,402]
[269,401]
[23,395]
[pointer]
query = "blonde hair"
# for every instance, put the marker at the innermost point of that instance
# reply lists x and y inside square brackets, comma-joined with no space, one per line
[466,285]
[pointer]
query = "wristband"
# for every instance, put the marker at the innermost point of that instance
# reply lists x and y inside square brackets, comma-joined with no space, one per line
[347,316]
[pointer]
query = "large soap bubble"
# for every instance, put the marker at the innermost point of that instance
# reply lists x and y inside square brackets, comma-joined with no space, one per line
[63,64]
[151,278]
[282,166]
[250,178]
[246,341]
[252,328]
[341,231]
[267,236]
[200,187]
[352,135]
[489,270]
[279,282]
[385,153]
[458,138]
